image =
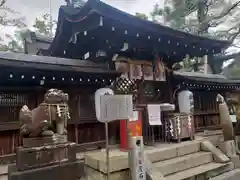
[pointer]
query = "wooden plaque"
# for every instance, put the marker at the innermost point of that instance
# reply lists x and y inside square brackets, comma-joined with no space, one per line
[136,70]
[148,71]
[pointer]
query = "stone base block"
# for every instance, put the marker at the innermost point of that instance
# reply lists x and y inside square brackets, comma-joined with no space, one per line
[35,157]
[42,141]
[65,171]
[92,174]
[236,161]
[228,147]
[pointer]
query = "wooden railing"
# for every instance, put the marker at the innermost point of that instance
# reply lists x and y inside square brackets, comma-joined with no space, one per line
[206,113]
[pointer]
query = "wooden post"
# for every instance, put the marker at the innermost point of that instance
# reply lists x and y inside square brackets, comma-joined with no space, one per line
[76,132]
[205,64]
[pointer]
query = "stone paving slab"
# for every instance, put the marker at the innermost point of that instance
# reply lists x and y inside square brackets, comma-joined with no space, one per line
[231,175]
[208,170]
[3,169]
[4,177]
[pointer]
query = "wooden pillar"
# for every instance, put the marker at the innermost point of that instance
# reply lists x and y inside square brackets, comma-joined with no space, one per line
[205,64]
[76,133]
[170,84]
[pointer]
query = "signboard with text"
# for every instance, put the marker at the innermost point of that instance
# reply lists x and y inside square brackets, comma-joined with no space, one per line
[115,107]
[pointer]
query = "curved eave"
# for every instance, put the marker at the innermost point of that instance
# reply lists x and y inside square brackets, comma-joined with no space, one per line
[17,60]
[123,17]
[65,29]
[69,17]
[207,82]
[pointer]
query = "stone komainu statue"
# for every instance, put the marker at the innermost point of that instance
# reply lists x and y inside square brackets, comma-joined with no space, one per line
[48,118]
[225,120]
[234,101]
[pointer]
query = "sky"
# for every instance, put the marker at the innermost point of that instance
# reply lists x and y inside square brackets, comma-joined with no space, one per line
[30,9]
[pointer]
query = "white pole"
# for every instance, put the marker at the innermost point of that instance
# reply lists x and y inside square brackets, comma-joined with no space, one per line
[107,151]
[50,18]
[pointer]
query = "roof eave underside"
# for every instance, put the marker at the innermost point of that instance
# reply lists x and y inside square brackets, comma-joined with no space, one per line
[92,8]
[195,79]
[52,63]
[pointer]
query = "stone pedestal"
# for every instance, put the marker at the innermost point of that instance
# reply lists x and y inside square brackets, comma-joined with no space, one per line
[42,141]
[65,171]
[55,160]
[230,149]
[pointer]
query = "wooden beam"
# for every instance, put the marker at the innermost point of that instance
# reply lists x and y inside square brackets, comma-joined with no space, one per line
[52,63]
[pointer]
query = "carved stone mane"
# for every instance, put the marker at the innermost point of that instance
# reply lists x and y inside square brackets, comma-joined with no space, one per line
[48,118]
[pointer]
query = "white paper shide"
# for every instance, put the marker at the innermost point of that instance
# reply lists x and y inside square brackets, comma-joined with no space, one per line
[154,114]
[135,116]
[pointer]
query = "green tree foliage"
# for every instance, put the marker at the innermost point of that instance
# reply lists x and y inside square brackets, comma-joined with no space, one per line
[16,41]
[202,17]
[44,26]
[235,73]
[142,16]
[211,18]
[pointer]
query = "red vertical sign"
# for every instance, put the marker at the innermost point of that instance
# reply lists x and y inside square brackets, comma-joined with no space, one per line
[135,129]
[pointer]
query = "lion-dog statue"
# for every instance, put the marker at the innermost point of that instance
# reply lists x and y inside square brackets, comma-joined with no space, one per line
[48,118]
[234,102]
[225,120]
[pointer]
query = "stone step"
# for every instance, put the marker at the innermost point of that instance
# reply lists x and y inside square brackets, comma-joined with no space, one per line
[206,171]
[231,175]
[172,151]
[184,162]
[3,170]
[119,159]
[3,177]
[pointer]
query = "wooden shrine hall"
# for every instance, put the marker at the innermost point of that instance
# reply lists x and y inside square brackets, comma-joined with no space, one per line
[205,88]
[25,79]
[92,46]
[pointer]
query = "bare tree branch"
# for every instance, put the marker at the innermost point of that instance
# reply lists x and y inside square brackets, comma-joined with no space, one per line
[2,2]
[234,35]
[230,34]
[203,26]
